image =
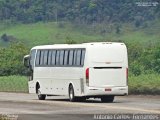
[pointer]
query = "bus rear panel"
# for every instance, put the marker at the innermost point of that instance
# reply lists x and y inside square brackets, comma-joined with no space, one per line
[107,70]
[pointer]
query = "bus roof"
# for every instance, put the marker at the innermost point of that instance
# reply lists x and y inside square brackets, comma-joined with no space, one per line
[83,45]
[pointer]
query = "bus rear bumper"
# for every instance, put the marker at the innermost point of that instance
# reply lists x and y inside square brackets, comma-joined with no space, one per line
[97,91]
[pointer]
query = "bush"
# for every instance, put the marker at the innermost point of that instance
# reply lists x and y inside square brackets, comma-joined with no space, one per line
[143,59]
[11,59]
[136,68]
[7,38]
[144,84]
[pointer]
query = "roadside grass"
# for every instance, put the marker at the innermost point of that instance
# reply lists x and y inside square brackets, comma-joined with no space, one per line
[148,84]
[13,84]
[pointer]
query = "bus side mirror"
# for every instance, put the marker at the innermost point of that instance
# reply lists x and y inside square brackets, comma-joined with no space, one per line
[26,61]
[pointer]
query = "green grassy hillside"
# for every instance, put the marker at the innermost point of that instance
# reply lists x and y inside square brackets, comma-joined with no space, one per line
[51,33]
[46,33]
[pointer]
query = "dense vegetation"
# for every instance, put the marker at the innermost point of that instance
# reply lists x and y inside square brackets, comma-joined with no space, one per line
[11,60]
[26,23]
[144,84]
[79,11]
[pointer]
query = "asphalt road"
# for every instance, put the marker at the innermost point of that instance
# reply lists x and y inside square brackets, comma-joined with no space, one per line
[27,107]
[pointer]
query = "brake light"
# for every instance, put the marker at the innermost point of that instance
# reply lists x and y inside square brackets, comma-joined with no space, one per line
[87,73]
[87,76]
[127,75]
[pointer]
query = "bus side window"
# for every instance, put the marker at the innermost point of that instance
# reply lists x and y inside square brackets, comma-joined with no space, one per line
[66,57]
[82,56]
[38,58]
[53,57]
[57,57]
[71,57]
[78,60]
[75,57]
[41,58]
[61,57]
[45,58]
[49,57]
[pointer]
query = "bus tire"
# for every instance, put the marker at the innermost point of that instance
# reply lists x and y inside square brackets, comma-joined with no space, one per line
[72,97]
[107,99]
[40,96]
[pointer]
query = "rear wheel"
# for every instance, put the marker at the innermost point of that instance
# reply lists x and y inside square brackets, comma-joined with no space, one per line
[107,99]
[72,98]
[40,96]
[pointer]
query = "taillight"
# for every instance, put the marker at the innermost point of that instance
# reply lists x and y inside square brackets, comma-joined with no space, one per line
[87,76]
[127,75]
[87,73]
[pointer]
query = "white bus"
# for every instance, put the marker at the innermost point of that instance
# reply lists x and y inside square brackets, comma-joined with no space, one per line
[98,70]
